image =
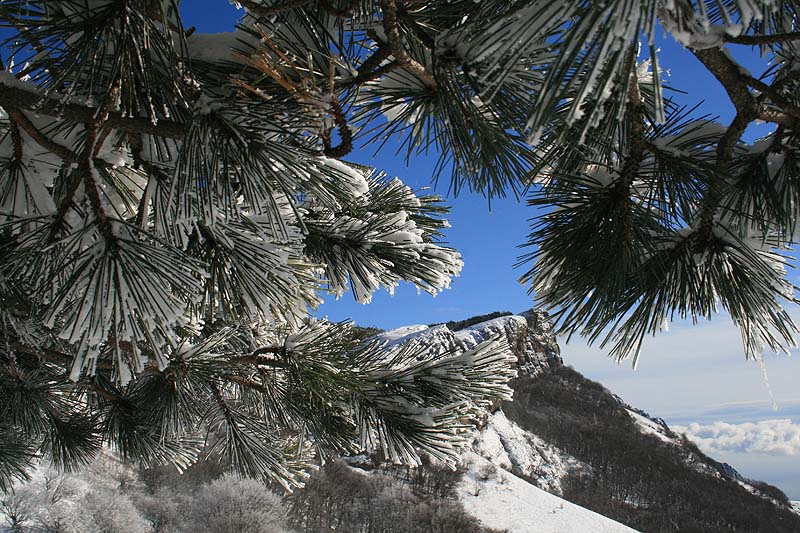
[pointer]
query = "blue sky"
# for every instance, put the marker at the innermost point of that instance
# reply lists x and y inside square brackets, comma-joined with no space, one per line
[689,375]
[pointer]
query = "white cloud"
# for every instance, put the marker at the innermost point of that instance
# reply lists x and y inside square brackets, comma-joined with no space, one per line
[778,436]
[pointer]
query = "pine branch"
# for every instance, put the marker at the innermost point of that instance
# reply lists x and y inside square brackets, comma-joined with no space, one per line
[391,26]
[789,113]
[67,203]
[86,169]
[16,137]
[260,10]
[376,74]
[736,85]
[375,59]
[19,119]
[760,40]
[371,69]
[732,79]
[638,145]
[16,97]
[37,352]
[341,13]
[346,144]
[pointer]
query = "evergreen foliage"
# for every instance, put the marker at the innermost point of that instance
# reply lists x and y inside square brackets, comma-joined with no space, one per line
[173,204]
[172,208]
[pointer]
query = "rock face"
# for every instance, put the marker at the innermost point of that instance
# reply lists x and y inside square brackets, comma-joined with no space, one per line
[540,351]
[523,454]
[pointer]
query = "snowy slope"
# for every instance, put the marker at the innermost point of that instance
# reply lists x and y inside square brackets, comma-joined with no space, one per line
[503,501]
[796,507]
[529,334]
[650,427]
[520,452]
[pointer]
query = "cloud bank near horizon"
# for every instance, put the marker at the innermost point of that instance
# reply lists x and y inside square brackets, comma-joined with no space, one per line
[777,436]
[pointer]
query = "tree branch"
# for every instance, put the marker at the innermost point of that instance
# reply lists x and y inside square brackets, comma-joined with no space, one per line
[636,119]
[260,10]
[638,140]
[391,26]
[736,85]
[48,354]
[19,118]
[346,144]
[87,172]
[762,39]
[373,62]
[729,75]
[16,138]
[15,96]
[790,112]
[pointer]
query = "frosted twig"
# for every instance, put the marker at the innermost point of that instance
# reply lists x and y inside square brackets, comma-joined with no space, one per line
[18,118]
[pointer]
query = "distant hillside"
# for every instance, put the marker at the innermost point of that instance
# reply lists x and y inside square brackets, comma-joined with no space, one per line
[640,473]
[458,325]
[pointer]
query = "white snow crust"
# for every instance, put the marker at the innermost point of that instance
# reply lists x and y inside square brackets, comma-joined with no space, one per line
[402,334]
[504,501]
[649,427]
[439,339]
[504,326]
[511,448]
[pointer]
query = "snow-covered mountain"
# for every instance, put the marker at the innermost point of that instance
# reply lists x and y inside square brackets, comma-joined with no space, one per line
[567,438]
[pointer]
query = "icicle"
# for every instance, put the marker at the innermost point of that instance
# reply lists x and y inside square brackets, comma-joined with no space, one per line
[765,378]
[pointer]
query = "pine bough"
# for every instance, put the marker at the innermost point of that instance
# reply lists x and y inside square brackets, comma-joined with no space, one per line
[173,204]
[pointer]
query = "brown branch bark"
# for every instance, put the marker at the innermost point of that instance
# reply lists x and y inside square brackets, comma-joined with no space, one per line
[391,26]
[16,137]
[260,10]
[47,354]
[638,145]
[736,85]
[373,62]
[13,96]
[346,144]
[789,112]
[19,118]
[87,173]
[377,73]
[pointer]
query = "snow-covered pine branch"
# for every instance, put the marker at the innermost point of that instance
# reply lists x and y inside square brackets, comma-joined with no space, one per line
[170,214]
[173,205]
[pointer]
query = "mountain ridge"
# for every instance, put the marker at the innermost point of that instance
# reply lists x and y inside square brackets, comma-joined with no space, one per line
[533,438]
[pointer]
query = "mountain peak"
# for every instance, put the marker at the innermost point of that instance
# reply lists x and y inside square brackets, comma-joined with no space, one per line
[529,334]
